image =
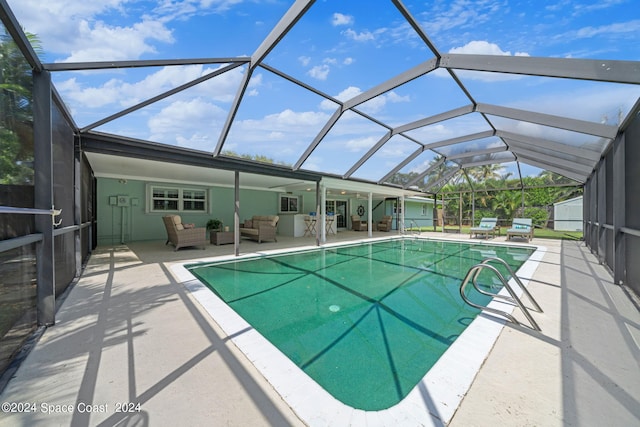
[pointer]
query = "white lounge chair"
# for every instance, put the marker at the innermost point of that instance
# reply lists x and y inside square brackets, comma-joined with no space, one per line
[521,227]
[487,226]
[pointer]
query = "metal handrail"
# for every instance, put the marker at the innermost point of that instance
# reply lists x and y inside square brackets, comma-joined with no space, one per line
[413,223]
[472,275]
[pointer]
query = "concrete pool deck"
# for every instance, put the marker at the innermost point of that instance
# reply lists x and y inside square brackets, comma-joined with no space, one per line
[129,332]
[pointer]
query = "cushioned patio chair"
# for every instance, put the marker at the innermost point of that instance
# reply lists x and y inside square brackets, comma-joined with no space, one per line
[521,227]
[181,236]
[385,223]
[487,226]
[357,224]
[261,228]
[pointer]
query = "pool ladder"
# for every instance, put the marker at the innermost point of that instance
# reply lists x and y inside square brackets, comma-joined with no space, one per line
[472,276]
[413,224]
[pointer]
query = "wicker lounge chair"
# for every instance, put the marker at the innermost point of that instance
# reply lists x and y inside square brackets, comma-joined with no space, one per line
[180,236]
[261,228]
[521,227]
[385,223]
[357,224]
[487,226]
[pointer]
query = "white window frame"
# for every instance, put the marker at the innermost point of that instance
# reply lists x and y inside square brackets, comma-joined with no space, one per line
[290,208]
[181,198]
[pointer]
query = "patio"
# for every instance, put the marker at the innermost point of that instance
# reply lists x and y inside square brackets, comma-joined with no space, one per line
[129,332]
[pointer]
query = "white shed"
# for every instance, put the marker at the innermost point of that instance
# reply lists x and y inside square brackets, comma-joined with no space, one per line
[567,215]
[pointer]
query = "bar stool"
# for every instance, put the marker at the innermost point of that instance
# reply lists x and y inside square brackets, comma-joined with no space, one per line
[330,220]
[310,224]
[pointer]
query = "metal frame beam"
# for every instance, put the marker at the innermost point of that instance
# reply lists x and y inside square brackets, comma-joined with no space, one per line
[451,114]
[43,192]
[400,79]
[580,126]
[459,139]
[583,69]
[293,15]
[555,161]
[581,178]
[442,180]
[323,132]
[368,154]
[426,172]
[549,154]
[161,96]
[233,110]
[106,65]
[488,162]
[402,164]
[477,153]
[14,29]
[545,144]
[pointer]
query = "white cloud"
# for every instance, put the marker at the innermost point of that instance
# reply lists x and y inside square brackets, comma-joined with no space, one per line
[88,102]
[194,124]
[348,61]
[76,27]
[341,19]
[348,93]
[377,104]
[304,60]
[630,27]
[481,47]
[359,37]
[357,145]
[319,72]
[290,131]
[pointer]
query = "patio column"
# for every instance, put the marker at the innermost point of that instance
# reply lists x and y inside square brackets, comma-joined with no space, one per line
[321,215]
[318,197]
[369,215]
[402,224]
[236,214]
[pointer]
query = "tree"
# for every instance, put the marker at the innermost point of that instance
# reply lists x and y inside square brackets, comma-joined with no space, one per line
[486,172]
[16,115]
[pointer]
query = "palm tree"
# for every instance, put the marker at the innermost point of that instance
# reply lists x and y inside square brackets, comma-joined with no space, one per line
[486,172]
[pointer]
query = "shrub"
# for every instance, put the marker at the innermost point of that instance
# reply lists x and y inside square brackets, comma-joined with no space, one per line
[539,216]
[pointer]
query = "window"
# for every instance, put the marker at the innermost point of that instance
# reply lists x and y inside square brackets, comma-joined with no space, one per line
[176,199]
[288,204]
[425,209]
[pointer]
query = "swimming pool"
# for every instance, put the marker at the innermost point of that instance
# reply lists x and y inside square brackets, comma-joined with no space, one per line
[365,321]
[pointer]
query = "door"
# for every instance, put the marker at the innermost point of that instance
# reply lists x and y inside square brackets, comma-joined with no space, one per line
[339,208]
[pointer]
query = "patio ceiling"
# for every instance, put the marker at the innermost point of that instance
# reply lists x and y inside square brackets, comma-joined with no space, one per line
[453,111]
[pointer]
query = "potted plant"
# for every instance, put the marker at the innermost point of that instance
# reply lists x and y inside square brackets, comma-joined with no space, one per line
[214,224]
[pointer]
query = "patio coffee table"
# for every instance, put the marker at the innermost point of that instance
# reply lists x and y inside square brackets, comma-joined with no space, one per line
[221,237]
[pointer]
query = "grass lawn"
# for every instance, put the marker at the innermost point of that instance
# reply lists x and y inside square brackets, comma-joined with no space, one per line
[542,233]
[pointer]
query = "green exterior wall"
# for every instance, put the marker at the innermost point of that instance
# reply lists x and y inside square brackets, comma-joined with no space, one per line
[132,223]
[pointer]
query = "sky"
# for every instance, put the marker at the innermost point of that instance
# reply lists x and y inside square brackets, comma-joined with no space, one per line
[340,48]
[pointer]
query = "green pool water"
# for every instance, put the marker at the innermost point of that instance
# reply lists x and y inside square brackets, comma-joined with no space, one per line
[365,321]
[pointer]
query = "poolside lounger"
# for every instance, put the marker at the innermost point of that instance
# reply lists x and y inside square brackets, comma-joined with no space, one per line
[521,227]
[487,226]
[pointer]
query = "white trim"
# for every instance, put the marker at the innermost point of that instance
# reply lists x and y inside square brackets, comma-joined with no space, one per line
[149,188]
